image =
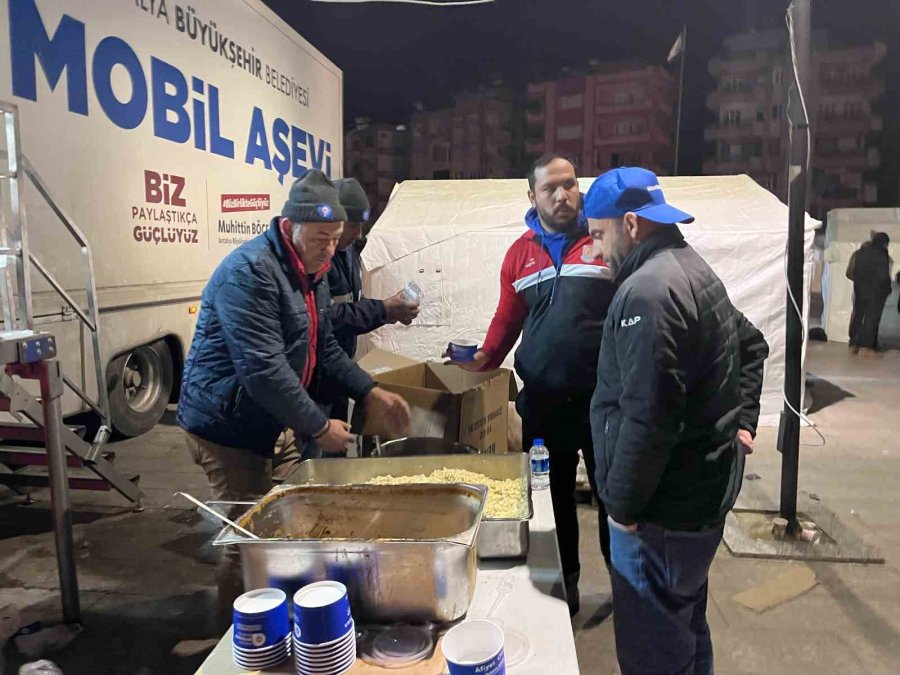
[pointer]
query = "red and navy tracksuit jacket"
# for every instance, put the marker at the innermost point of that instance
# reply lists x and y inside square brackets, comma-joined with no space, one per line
[557,297]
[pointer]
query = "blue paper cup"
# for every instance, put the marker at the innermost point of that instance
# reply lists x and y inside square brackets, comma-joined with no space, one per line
[262,652]
[261,619]
[322,613]
[462,351]
[327,650]
[474,648]
[338,667]
[319,665]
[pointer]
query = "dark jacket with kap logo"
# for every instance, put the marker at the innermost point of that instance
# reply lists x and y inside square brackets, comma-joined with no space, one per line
[680,372]
[242,378]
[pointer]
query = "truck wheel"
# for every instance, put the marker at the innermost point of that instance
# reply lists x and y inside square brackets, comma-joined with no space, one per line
[140,384]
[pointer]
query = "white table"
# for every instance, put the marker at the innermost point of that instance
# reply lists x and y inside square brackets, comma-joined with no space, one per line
[535,606]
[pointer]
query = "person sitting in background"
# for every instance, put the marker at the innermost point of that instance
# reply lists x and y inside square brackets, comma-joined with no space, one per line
[870,271]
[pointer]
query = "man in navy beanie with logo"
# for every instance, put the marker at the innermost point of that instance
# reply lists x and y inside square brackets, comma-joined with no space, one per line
[262,333]
[674,412]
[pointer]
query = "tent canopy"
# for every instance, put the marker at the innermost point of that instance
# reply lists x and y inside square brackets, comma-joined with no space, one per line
[450,237]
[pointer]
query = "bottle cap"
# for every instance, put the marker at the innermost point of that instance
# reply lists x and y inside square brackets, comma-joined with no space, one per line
[538,441]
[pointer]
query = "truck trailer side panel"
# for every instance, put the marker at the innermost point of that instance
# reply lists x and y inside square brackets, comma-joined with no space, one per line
[170,134]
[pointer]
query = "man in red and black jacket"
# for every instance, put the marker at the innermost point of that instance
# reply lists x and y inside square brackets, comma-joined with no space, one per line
[555,295]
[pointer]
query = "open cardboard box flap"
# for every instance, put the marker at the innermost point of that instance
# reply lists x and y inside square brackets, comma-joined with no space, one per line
[446,401]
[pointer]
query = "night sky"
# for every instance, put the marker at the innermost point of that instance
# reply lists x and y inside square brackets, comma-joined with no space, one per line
[393,55]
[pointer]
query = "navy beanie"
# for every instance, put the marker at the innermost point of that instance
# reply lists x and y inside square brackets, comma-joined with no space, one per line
[313,199]
[353,199]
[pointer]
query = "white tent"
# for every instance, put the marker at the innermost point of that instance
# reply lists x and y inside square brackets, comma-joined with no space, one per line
[450,238]
[847,230]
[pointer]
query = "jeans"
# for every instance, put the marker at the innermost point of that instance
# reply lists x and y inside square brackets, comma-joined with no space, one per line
[565,425]
[660,580]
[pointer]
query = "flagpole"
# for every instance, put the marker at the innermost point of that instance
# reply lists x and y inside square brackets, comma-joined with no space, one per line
[680,94]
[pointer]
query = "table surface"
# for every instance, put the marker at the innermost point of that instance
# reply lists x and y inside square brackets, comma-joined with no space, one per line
[535,606]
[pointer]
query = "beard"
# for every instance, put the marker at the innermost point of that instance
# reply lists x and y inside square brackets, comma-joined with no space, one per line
[559,222]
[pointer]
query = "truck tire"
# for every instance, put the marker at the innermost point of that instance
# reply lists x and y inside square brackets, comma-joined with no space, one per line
[140,384]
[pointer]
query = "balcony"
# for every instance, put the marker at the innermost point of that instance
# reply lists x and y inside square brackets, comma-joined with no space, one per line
[724,167]
[647,105]
[743,94]
[729,132]
[848,124]
[652,136]
[771,129]
[870,88]
[860,160]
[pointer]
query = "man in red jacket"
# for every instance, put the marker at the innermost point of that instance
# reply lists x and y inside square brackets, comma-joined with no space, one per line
[555,294]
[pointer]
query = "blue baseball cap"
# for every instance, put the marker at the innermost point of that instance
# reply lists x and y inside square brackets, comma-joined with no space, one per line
[619,191]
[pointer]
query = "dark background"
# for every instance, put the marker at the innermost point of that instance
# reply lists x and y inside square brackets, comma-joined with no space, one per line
[393,55]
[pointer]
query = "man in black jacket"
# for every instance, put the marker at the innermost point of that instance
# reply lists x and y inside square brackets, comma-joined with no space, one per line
[675,411]
[870,271]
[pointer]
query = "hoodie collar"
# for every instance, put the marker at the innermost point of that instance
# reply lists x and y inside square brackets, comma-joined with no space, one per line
[533,221]
[668,236]
[556,243]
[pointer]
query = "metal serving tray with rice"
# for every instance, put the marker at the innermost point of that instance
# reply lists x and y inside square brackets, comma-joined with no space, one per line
[499,537]
[405,552]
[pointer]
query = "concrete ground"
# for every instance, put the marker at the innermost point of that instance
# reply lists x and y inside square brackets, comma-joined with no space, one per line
[146,578]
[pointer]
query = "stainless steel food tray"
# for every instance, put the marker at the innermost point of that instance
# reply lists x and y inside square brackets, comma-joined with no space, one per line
[405,552]
[498,538]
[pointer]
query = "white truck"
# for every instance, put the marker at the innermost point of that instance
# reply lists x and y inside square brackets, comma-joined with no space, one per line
[168,134]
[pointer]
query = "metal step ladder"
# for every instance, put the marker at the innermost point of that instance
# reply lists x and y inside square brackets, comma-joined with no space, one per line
[28,354]
[90,460]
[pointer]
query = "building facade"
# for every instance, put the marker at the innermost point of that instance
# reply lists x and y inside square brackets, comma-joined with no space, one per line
[750,133]
[614,115]
[377,156]
[474,139]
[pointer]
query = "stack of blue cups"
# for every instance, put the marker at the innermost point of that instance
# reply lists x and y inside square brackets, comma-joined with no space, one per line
[262,629]
[324,634]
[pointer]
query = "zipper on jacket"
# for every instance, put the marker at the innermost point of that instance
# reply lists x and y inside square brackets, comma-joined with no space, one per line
[558,269]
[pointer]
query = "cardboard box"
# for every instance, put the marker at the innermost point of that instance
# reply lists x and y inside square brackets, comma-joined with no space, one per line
[446,401]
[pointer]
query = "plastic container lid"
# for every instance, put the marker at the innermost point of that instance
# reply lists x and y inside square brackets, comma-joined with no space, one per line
[516,647]
[399,646]
[539,441]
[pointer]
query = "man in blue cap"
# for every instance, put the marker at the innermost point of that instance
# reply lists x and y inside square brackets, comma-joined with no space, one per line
[675,411]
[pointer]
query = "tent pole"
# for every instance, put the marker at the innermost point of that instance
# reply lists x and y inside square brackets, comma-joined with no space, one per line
[789,436]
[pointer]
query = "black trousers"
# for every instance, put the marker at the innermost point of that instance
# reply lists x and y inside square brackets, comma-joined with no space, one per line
[565,425]
[867,309]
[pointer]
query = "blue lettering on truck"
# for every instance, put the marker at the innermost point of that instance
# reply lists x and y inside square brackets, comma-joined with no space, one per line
[178,111]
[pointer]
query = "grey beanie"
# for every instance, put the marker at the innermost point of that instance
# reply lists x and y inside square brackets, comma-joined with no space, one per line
[353,199]
[313,199]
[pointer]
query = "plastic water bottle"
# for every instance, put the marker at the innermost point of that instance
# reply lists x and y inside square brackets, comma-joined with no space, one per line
[540,465]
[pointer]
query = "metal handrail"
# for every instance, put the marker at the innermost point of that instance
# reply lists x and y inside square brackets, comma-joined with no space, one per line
[89,318]
[39,266]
